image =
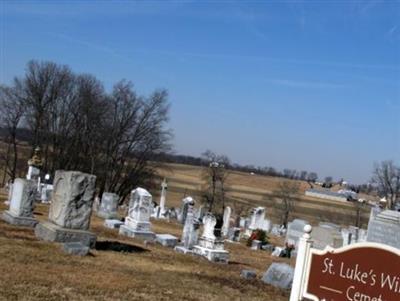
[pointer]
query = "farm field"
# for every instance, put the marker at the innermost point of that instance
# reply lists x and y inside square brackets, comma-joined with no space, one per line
[258,190]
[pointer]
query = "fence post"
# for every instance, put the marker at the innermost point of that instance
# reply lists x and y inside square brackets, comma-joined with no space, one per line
[305,244]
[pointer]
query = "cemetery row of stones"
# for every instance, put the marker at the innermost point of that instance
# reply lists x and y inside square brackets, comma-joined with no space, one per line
[72,200]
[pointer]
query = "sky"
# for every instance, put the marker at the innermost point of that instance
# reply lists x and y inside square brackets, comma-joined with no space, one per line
[306,85]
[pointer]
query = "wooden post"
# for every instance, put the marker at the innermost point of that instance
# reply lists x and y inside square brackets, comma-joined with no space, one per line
[303,255]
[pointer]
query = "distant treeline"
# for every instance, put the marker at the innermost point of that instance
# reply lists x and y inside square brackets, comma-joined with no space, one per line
[267,171]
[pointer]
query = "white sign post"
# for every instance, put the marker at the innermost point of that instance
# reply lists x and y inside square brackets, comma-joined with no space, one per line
[359,272]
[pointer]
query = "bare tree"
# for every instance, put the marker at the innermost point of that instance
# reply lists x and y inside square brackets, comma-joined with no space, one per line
[303,175]
[386,176]
[328,180]
[286,195]
[44,83]
[11,110]
[215,175]
[312,177]
[140,135]
[81,127]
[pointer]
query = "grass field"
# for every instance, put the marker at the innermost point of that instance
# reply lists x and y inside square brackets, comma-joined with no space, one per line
[38,270]
[259,190]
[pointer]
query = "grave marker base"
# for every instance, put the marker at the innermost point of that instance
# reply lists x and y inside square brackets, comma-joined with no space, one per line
[12,219]
[50,232]
[145,235]
[211,254]
[183,250]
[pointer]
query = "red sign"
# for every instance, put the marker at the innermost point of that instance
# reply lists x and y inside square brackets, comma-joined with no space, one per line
[365,272]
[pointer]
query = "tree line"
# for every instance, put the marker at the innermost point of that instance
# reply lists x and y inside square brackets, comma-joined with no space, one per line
[80,126]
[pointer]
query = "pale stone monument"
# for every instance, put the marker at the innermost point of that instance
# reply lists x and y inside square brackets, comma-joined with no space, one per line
[209,246]
[22,204]
[295,231]
[189,233]
[166,240]
[353,235]
[279,275]
[46,193]
[234,234]
[108,208]
[327,235]
[70,210]
[186,202]
[137,223]
[34,165]
[256,245]
[384,228]
[226,224]
[256,220]
[163,198]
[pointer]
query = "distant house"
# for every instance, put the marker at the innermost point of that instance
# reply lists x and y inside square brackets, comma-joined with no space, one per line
[330,195]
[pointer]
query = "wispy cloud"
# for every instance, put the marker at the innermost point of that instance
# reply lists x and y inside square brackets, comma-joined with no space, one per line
[393,33]
[365,7]
[91,45]
[303,84]
[187,56]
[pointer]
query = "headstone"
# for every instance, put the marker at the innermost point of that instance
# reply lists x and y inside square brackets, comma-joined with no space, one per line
[226,223]
[326,235]
[295,231]
[244,222]
[256,244]
[70,210]
[46,193]
[257,218]
[209,246]
[163,197]
[166,240]
[275,230]
[34,165]
[108,208]
[113,223]
[353,235]
[234,234]
[385,228]
[75,248]
[137,223]
[189,233]
[277,252]
[248,274]
[266,225]
[22,204]
[279,275]
[186,202]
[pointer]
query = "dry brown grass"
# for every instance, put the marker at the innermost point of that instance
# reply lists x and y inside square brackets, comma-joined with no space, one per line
[258,190]
[37,270]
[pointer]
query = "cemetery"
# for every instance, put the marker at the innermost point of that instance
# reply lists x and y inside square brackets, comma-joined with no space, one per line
[147,239]
[199,151]
[72,226]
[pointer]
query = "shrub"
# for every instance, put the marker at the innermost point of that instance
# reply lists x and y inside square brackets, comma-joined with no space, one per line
[258,234]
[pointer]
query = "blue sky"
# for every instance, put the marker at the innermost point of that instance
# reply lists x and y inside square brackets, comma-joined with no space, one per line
[311,85]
